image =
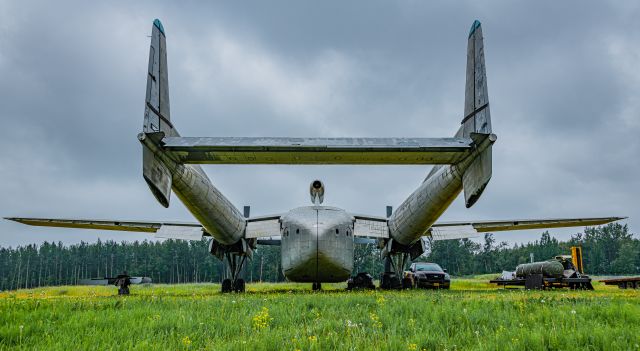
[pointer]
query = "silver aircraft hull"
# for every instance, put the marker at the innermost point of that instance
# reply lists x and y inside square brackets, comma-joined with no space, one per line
[317,244]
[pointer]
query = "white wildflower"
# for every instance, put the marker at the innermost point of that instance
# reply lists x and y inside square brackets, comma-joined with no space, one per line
[350,324]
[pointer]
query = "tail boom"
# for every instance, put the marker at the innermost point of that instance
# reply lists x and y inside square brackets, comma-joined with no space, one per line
[425,205]
[421,209]
[163,173]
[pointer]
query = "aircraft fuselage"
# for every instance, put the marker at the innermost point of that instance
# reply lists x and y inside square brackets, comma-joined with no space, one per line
[317,244]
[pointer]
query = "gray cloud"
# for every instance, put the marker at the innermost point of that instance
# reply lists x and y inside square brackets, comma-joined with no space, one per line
[563,84]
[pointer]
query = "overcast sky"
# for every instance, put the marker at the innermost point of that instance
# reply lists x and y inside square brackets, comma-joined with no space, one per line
[563,80]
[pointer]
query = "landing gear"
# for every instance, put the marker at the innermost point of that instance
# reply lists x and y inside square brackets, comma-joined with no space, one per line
[316,286]
[234,256]
[389,281]
[239,286]
[393,276]
[235,264]
[226,286]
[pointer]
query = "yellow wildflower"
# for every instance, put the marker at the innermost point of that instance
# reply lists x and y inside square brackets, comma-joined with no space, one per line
[262,319]
[376,320]
[186,341]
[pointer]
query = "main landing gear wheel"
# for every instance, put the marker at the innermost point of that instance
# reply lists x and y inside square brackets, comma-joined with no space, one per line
[235,263]
[316,286]
[226,286]
[239,286]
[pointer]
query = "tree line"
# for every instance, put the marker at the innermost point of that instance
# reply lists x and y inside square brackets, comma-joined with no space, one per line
[609,249]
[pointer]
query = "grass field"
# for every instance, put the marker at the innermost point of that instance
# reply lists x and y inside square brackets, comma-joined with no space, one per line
[473,315]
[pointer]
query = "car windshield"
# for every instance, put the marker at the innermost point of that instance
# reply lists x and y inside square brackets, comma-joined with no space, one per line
[428,267]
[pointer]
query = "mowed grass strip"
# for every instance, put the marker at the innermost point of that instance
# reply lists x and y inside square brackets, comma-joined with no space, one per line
[473,315]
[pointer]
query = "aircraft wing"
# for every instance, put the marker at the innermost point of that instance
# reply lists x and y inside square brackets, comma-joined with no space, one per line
[372,151]
[462,230]
[376,227]
[164,230]
[266,228]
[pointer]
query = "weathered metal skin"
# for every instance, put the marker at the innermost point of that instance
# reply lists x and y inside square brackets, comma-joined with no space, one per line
[423,207]
[214,211]
[317,244]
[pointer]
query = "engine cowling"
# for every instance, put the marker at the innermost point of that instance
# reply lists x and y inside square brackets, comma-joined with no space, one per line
[316,190]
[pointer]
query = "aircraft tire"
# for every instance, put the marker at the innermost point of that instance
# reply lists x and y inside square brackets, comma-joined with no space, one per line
[239,286]
[226,286]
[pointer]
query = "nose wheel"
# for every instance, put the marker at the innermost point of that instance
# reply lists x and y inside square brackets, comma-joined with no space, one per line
[316,286]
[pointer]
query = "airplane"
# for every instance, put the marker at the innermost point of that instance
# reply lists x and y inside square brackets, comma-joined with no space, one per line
[317,241]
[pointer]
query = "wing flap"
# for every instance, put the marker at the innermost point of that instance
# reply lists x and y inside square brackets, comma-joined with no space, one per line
[453,232]
[179,232]
[241,150]
[263,227]
[370,227]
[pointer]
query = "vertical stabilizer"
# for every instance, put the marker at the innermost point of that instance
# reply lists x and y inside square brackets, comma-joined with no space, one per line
[156,115]
[477,118]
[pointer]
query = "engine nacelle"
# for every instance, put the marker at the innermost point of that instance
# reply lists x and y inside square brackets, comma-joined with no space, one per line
[316,190]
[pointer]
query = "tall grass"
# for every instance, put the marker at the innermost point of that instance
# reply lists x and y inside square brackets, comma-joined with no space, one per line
[473,315]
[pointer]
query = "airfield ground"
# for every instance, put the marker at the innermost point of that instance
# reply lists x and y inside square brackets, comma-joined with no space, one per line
[473,315]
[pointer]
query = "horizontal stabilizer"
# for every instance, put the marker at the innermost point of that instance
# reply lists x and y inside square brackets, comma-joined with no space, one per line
[372,151]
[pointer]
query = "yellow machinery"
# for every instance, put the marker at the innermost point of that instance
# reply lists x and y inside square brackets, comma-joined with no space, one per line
[562,271]
[576,258]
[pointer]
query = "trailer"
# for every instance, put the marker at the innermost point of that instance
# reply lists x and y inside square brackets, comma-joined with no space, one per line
[623,283]
[539,282]
[562,271]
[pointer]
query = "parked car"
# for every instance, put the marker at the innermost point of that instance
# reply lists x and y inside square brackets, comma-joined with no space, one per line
[427,275]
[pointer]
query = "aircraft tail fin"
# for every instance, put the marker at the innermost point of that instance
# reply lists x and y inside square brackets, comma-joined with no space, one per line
[477,118]
[157,118]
